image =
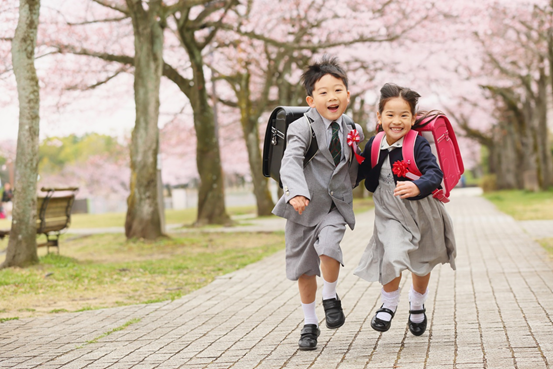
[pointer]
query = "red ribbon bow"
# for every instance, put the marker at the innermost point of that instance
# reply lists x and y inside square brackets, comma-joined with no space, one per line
[352,139]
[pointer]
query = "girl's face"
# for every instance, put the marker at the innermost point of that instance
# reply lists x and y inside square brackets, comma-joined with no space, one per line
[396,119]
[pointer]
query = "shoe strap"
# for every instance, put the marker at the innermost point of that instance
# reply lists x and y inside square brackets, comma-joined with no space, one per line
[309,330]
[386,310]
[422,311]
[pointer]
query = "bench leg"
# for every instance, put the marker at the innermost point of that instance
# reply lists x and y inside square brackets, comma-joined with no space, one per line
[54,242]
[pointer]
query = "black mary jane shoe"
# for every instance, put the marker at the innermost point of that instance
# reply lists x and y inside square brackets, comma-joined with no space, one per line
[417,328]
[379,324]
[308,339]
[334,314]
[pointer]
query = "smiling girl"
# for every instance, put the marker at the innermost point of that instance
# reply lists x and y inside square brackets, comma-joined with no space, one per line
[412,230]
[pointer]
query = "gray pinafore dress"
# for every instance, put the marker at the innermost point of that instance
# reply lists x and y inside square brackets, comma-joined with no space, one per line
[408,234]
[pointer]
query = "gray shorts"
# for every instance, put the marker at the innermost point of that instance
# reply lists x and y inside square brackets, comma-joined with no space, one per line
[304,245]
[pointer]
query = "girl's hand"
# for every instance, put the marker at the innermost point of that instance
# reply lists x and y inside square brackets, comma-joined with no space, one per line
[406,189]
[299,203]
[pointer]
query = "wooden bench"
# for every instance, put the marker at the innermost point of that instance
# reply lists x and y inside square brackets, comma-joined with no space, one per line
[53,215]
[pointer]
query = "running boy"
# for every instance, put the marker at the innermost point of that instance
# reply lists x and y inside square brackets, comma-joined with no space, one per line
[317,200]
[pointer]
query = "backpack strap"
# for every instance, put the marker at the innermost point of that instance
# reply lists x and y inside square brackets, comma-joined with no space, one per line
[313,146]
[348,121]
[408,151]
[375,149]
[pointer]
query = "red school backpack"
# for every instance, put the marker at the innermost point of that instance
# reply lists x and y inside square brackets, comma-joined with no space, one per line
[440,135]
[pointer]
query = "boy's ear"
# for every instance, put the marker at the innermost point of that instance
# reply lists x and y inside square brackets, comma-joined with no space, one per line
[348,97]
[310,101]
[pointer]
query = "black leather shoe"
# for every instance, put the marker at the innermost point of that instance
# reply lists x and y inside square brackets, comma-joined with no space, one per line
[379,324]
[308,339]
[334,314]
[417,328]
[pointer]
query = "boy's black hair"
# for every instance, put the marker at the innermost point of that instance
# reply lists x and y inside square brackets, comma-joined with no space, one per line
[316,71]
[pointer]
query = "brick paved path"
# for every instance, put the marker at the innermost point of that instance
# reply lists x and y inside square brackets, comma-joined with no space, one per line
[495,311]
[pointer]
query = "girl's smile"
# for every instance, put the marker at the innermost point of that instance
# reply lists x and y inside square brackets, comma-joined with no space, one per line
[396,119]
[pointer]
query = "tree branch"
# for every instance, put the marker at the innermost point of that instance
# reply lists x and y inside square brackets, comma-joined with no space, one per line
[217,25]
[107,20]
[97,84]
[112,6]
[168,71]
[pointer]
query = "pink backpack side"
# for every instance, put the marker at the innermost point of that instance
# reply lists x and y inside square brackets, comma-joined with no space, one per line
[440,135]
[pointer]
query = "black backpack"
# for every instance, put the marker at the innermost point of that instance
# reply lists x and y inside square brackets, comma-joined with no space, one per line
[275,139]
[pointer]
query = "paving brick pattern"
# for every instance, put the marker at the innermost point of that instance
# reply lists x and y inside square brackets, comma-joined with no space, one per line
[495,311]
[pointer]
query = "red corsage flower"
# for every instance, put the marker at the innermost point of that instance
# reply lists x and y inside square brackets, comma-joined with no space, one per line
[353,138]
[400,168]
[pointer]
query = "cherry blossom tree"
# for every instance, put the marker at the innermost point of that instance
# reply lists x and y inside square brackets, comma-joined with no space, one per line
[22,247]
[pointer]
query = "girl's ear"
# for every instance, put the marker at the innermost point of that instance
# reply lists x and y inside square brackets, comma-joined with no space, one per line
[310,101]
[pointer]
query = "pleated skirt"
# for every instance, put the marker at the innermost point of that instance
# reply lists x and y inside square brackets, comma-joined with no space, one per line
[408,234]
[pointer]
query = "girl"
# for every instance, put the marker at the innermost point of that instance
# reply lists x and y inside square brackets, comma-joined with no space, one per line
[412,230]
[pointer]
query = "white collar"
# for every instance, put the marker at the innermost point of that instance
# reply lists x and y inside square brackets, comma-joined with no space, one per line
[384,144]
[328,122]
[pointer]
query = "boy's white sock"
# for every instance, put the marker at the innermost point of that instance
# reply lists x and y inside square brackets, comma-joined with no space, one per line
[329,289]
[390,300]
[417,303]
[309,314]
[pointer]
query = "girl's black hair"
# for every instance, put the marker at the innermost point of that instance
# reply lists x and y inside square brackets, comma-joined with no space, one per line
[316,71]
[391,90]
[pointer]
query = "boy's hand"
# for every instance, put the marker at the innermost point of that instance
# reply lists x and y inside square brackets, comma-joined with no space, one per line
[299,203]
[406,189]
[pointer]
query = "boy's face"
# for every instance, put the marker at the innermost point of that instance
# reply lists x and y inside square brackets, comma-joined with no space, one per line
[330,97]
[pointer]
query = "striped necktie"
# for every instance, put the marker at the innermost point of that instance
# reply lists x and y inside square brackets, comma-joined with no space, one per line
[335,146]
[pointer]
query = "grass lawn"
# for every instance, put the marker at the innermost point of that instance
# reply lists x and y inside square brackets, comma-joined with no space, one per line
[184,217]
[523,205]
[105,270]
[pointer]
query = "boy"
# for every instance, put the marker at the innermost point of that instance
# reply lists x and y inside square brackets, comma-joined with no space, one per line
[317,200]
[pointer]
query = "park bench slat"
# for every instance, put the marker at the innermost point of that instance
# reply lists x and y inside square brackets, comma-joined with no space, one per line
[53,215]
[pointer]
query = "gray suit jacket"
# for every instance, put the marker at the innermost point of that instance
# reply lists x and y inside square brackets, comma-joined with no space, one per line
[320,181]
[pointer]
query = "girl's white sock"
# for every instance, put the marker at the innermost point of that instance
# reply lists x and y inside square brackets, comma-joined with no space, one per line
[329,289]
[390,300]
[309,314]
[417,301]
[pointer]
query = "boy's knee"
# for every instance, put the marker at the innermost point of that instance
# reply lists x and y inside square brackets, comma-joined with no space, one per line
[328,259]
[306,278]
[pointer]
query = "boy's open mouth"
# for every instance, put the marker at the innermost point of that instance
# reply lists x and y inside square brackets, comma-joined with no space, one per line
[333,108]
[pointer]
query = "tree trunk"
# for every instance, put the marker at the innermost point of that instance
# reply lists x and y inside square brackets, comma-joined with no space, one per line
[545,165]
[143,213]
[22,249]
[528,149]
[250,130]
[504,156]
[211,194]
